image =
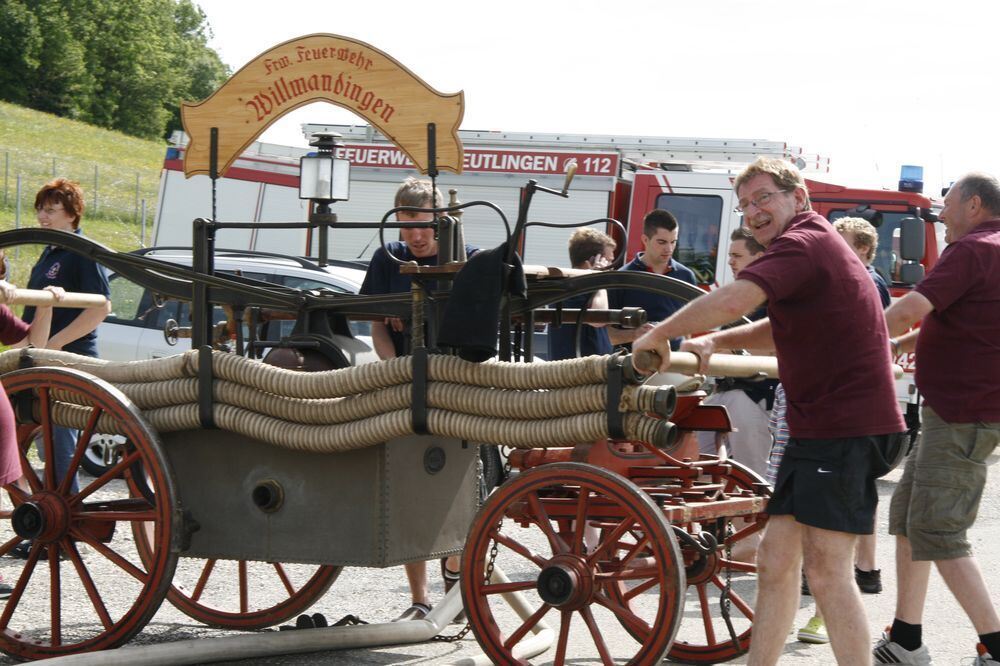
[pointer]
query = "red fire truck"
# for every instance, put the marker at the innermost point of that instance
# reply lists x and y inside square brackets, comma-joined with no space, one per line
[622,177]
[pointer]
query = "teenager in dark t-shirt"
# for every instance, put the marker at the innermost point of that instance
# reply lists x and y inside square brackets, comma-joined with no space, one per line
[827,328]
[588,248]
[391,337]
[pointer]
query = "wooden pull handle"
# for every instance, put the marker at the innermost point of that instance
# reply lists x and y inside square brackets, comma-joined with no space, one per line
[43,297]
[719,365]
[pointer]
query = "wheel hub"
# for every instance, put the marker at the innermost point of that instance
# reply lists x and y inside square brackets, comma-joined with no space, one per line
[702,568]
[567,582]
[44,518]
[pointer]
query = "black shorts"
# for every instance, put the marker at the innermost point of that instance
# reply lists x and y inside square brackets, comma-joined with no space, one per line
[830,483]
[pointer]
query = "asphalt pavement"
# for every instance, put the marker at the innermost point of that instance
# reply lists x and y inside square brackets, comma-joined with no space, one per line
[378,595]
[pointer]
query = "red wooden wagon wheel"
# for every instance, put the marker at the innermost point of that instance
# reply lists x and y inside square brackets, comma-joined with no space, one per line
[82,574]
[265,593]
[704,636]
[562,533]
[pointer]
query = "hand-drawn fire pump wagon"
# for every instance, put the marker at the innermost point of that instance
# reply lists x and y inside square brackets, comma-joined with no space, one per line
[609,529]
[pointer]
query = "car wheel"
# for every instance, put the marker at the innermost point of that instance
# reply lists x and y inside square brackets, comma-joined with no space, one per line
[93,461]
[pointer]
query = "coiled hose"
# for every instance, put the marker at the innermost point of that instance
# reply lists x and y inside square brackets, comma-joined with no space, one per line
[510,404]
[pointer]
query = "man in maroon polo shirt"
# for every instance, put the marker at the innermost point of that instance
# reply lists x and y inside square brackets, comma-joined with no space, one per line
[958,364]
[826,325]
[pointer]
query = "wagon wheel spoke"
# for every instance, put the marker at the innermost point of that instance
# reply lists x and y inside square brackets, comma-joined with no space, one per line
[505,588]
[556,542]
[734,596]
[48,444]
[83,438]
[595,633]
[206,573]
[9,545]
[706,616]
[122,510]
[527,626]
[582,504]
[242,576]
[132,458]
[19,588]
[623,614]
[283,577]
[612,540]
[519,548]
[55,594]
[563,641]
[88,583]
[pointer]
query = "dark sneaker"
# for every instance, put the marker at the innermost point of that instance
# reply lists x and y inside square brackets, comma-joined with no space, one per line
[870,582]
[805,586]
[417,611]
[5,589]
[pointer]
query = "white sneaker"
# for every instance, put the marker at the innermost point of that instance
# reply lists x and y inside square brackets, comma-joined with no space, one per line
[887,652]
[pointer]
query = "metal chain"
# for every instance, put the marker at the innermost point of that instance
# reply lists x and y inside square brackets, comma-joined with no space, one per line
[725,601]
[441,638]
[490,564]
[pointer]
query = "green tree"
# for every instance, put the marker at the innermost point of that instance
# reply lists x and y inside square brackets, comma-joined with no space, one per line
[20,46]
[121,65]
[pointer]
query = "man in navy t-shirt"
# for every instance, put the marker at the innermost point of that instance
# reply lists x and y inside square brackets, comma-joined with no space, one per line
[659,239]
[588,248]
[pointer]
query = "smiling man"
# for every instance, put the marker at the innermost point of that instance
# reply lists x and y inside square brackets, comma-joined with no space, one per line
[826,325]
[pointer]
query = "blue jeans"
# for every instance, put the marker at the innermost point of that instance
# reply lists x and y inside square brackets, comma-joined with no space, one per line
[64,443]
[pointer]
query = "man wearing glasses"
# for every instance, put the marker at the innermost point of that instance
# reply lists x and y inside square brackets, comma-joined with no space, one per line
[826,325]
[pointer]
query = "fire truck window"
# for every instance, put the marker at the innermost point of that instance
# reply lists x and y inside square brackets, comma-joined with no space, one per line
[700,219]
[887,260]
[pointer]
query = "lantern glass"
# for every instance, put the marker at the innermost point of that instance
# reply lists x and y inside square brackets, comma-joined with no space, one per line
[324,178]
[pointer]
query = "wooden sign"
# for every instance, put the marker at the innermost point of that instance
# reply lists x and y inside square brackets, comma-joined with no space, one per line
[343,71]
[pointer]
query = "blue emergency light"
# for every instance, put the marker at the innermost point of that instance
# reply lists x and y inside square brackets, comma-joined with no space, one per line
[911,178]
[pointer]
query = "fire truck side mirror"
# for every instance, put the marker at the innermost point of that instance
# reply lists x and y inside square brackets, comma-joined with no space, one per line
[911,239]
[911,273]
[911,250]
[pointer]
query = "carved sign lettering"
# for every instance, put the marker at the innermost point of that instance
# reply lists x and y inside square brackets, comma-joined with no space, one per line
[343,71]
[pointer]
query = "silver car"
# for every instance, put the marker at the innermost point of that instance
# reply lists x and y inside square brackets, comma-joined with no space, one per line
[137,326]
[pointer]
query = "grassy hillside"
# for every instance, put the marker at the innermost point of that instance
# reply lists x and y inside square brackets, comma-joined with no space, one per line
[39,146]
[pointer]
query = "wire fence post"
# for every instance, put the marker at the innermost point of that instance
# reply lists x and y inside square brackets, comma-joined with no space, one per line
[142,236]
[6,174]
[135,216]
[17,214]
[96,192]
[53,167]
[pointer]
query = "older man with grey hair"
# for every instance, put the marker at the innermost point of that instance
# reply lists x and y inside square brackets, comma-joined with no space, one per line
[958,362]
